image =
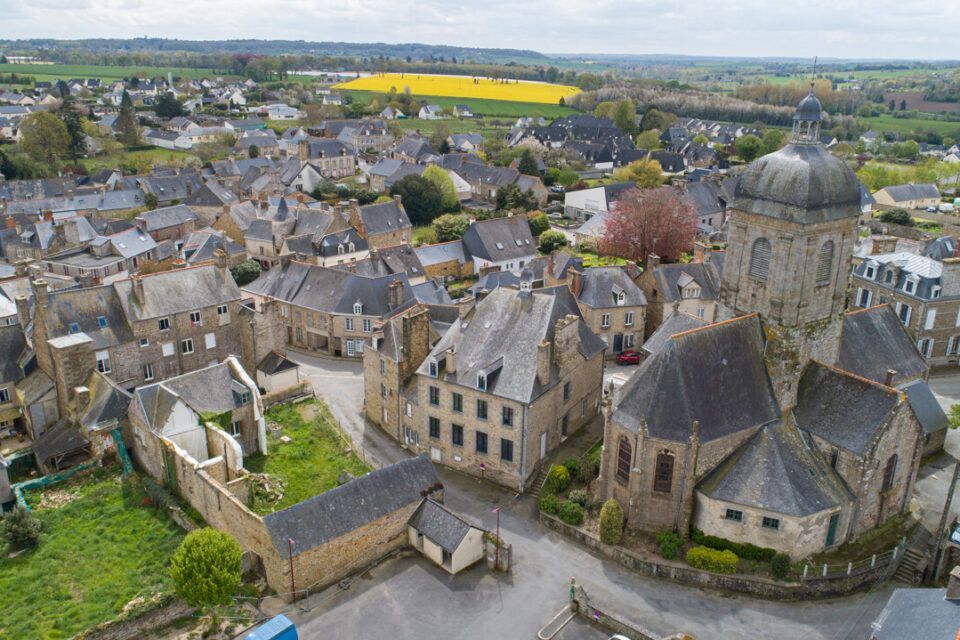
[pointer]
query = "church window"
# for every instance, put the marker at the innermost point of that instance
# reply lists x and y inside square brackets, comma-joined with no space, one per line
[663,473]
[825,263]
[760,259]
[624,458]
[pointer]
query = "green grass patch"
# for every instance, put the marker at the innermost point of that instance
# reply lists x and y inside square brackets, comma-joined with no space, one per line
[875,541]
[592,259]
[98,551]
[887,122]
[424,235]
[311,462]
[53,72]
[143,159]
[483,107]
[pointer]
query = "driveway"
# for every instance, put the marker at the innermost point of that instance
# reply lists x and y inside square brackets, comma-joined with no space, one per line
[409,597]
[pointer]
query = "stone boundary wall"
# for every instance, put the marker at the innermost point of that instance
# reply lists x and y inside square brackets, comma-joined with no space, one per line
[133,628]
[290,393]
[809,589]
[599,616]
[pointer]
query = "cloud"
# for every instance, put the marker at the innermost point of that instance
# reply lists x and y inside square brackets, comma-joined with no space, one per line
[828,28]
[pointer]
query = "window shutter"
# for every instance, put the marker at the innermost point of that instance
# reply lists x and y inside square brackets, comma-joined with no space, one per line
[931,318]
[950,345]
[825,262]
[760,259]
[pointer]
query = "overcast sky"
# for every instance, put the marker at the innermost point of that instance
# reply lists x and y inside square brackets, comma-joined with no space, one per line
[828,28]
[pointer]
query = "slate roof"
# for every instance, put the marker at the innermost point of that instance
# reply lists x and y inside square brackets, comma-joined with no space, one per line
[12,344]
[907,192]
[600,286]
[841,408]
[675,323]
[209,390]
[918,613]
[166,217]
[873,341]
[501,338]
[715,375]
[705,274]
[211,195]
[177,291]
[430,292]
[440,525]
[132,242]
[925,406]
[62,438]
[431,254]
[384,217]
[776,471]
[107,402]
[337,512]
[500,239]
[83,307]
[275,362]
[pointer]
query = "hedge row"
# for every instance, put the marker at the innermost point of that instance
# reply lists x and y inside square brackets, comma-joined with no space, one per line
[741,549]
[712,560]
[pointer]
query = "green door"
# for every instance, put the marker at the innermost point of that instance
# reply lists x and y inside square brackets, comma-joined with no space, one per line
[832,529]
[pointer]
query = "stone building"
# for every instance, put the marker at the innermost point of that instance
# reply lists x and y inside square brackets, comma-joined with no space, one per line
[747,428]
[692,288]
[613,306]
[506,384]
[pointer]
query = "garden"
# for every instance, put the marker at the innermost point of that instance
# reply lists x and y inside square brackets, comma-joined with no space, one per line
[305,457]
[102,551]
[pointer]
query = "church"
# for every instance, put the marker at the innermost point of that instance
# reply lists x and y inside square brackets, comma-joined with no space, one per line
[787,423]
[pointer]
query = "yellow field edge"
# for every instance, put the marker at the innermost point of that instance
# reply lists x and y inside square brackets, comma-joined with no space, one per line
[463,87]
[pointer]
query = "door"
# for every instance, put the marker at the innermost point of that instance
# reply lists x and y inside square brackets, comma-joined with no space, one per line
[543,446]
[832,529]
[618,343]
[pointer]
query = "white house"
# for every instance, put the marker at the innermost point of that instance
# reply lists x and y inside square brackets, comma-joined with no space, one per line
[444,537]
[281,112]
[276,373]
[430,112]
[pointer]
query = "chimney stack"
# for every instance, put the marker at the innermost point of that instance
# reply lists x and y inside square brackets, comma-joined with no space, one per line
[395,294]
[883,244]
[891,376]
[543,362]
[23,311]
[953,586]
[701,252]
[653,261]
[576,281]
[451,362]
[137,281]
[398,199]
[356,221]
[81,396]
[221,257]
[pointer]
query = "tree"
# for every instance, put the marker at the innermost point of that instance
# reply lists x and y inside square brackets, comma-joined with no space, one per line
[539,224]
[21,528]
[749,147]
[528,164]
[700,139]
[653,119]
[421,198]
[168,106]
[656,221]
[511,197]
[150,200]
[645,173]
[611,522]
[253,151]
[567,177]
[444,182]
[773,140]
[440,134]
[551,240]
[127,129]
[245,272]
[605,109]
[206,568]
[649,140]
[954,416]
[449,227]
[625,116]
[903,105]
[897,216]
[44,138]
[892,106]
[73,121]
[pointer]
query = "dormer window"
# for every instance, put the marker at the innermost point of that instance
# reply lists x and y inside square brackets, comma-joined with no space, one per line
[888,276]
[482,381]
[935,291]
[621,298]
[74,327]
[433,369]
[357,308]
[352,247]
[870,272]
[340,249]
[910,284]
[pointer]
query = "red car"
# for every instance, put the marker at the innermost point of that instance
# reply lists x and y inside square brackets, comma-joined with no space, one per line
[628,357]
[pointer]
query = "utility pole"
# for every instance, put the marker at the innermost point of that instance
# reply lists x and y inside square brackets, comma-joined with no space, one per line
[941,530]
[293,583]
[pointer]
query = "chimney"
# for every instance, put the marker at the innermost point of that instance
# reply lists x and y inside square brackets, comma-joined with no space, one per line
[48,215]
[465,305]
[60,234]
[395,294]
[137,281]
[950,277]
[178,263]
[20,268]
[891,376]
[303,149]
[221,257]
[300,198]
[397,199]
[451,360]
[10,223]
[701,252]
[374,254]
[575,280]
[953,586]
[35,270]
[355,220]
[883,244]
[543,362]
[23,311]
[653,261]
[85,279]
[81,397]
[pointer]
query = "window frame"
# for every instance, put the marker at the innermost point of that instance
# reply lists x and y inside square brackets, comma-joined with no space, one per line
[478,438]
[663,472]
[186,342]
[771,523]
[733,515]
[456,434]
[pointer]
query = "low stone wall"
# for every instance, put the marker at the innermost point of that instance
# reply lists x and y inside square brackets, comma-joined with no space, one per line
[276,397]
[612,622]
[810,588]
[132,628]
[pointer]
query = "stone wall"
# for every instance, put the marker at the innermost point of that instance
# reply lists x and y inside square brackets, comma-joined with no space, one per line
[134,628]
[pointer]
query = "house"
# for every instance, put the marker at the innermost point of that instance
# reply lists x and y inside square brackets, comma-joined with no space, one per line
[13,349]
[908,196]
[167,223]
[481,407]
[444,537]
[390,113]
[445,260]
[462,111]
[465,142]
[613,306]
[172,140]
[584,204]
[381,225]
[277,373]
[415,150]
[430,112]
[500,244]
[692,288]
[762,428]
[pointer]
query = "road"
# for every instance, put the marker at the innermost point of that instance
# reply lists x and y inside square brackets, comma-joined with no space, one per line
[409,597]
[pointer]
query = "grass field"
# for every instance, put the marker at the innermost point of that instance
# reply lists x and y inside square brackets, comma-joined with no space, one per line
[463,87]
[908,125]
[99,550]
[52,72]
[141,159]
[311,462]
[484,107]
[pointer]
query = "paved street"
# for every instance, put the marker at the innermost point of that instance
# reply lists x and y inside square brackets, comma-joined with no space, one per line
[933,480]
[409,597]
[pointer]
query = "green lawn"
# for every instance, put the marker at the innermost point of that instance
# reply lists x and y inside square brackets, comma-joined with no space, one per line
[311,462]
[424,235]
[143,160]
[887,122]
[97,553]
[591,259]
[482,107]
[53,72]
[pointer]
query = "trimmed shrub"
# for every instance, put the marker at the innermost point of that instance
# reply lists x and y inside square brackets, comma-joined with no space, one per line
[571,512]
[21,528]
[574,468]
[669,544]
[712,560]
[611,522]
[557,480]
[580,497]
[549,503]
[741,549]
[780,566]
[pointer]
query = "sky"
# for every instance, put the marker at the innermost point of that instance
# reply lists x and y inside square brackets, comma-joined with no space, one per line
[893,29]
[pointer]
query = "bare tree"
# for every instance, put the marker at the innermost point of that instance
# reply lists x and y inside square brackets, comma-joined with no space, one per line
[656,221]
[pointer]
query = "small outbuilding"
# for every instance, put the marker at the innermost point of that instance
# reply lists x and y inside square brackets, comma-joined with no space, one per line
[929,413]
[276,372]
[444,537]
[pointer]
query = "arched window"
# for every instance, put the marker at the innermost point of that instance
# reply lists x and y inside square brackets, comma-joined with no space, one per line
[624,458]
[889,473]
[825,262]
[760,259]
[663,473]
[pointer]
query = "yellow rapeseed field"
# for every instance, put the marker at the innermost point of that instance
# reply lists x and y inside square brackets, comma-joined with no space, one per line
[463,87]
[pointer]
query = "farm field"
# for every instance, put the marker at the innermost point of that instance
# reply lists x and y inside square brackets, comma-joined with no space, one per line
[463,87]
[887,122]
[52,72]
[483,107]
[100,549]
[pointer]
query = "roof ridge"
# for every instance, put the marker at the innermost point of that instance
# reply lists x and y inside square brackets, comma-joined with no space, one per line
[712,325]
[876,306]
[850,374]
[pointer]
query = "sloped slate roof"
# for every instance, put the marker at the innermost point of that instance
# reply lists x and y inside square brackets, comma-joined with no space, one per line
[384,217]
[715,375]
[496,239]
[600,285]
[275,362]
[167,217]
[107,401]
[12,344]
[843,409]
[925,406]
[907,192]
[61,438]
[873,341]
[332,514]
[84,307]
[209,390]
[440,525]
[707,275]
[177,291]
[775,471]
[430,254]
[676,323]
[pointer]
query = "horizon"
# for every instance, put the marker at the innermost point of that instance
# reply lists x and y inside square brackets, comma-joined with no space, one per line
[843,31]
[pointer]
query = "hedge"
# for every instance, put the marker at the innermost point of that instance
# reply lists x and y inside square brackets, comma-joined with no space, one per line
[741,549]
[611,522]
[712,560]
[669,544]
[550,503]
[557,480]
[580,497]
[571,513]
[573,466]
[780,566]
